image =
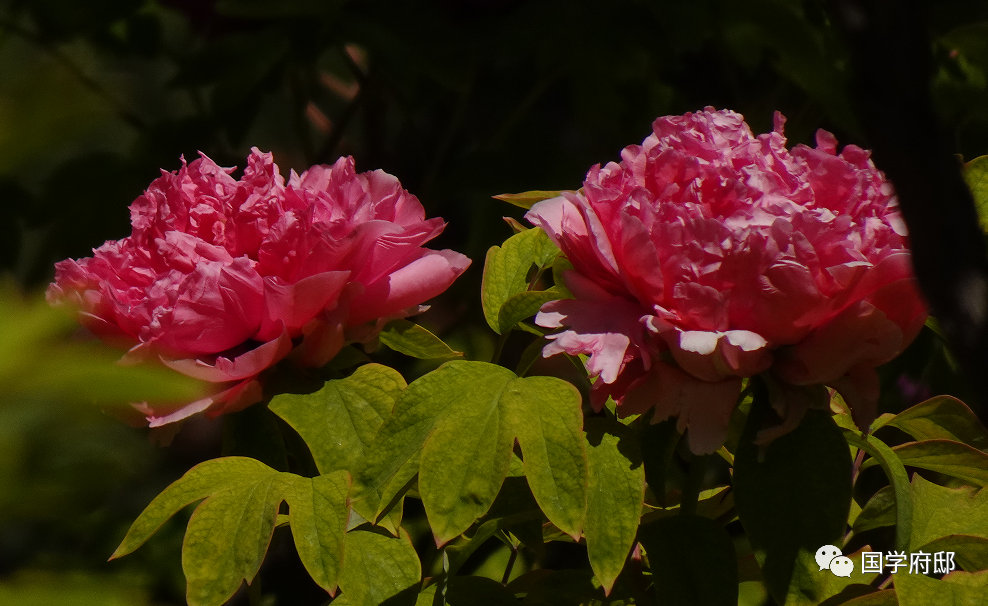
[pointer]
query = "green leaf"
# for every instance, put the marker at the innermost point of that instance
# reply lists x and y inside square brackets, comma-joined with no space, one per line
[527,199]
[658,442]
[547,419]
[229,532]
[947,457]
[943,418]
[377,567]
[393,460]
[879,598]
[970,552]
[416,341]
[940,512]
[976,176]
[506,271]
[455,427]
[614,499]
[796,494]
[466,459]
[524,305]
[340,421]
[204,479]
[956,589]
[692,561]
[810,586]
[318,513]
[898,478]
[878,511]
[227,538]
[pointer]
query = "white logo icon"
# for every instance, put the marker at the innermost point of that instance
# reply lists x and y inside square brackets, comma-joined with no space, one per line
[842,566]
[825,554]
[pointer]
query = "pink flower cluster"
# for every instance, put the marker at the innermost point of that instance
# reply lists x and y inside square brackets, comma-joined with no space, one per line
[707,255]
[223,278]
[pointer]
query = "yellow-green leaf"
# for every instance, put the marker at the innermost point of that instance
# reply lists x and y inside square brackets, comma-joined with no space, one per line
[527,199]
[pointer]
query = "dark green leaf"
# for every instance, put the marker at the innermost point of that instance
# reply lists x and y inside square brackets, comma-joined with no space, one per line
[878,511]
[796,494]
[477,591]
[692,560]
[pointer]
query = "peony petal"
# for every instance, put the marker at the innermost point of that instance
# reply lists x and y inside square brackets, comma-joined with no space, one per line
[420,280]
[248,364]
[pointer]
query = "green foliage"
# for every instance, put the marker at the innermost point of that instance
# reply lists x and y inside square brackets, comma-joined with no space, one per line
[942,418]
[352,410]
[793,495]
[415,341]
[692,561]
[229,531]
[614,501]
[507,290]
[898,478]
[956,589]
[378,567]
[457,425]
[809,587]
[527,199]
[976,176]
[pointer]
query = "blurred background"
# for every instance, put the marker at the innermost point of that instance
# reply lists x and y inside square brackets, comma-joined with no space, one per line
[460,99]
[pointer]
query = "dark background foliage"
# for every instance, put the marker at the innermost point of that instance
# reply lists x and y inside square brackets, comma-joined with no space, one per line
[461,99]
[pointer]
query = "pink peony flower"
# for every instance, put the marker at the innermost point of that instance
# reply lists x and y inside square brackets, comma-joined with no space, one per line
[707,255]
[221,279]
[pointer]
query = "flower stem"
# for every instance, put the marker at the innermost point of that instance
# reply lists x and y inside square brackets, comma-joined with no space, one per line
[510,565]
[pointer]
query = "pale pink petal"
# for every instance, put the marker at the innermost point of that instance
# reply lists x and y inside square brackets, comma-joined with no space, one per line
[222,369]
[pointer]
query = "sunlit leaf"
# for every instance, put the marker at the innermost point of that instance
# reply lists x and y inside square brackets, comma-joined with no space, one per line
[340,421]
[970,552]
[956,589]
[976,176]
[616,488]
[810,586]
[455,426]
[939,512]
[229,531]
[524,305]
[947,457]
[898,478]
[506,271]
[465,460]
[416,341]
[547,420]
[527,199]
[942,418]
[377,567]
[794,495]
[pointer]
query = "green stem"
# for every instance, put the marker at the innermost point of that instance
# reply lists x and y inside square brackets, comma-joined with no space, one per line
[499,346]
[511,564]
[691,487]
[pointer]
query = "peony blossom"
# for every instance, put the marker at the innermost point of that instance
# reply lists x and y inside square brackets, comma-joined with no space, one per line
[223,278]
[707,255]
